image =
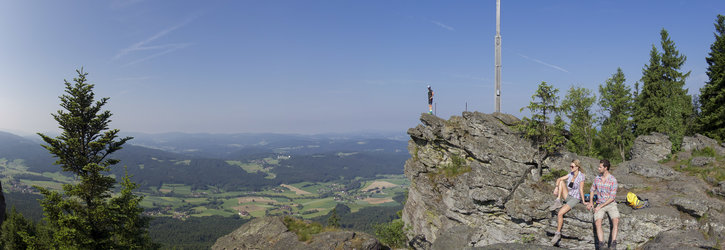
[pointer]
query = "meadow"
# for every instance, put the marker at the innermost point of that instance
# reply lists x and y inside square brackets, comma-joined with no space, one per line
[304,199]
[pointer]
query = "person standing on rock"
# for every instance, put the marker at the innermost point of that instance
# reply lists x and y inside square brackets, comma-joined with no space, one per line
[430,100]
[605,186]
[571,189]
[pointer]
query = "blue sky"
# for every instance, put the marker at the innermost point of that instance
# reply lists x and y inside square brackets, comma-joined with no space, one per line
[323,66]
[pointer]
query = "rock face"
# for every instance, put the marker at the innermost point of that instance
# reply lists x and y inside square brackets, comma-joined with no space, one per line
[679,239]
[700,142]
[653,147]
[472,186]
[720,189]
[271,233]
[701,161]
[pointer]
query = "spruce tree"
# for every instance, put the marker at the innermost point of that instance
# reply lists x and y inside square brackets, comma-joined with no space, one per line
[711,122]
[546,137]
[663,105]
[334,219]
[85,215]
[15,229]
[577,106]
[615,100]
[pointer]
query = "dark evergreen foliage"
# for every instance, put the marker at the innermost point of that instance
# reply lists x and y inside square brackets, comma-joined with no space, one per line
[330,167]
[547,137]
[85,215]
[364,219]
[663,105]
[192,233]
[26,203]
[616,134]
[14,229]
[577,106]
[711,122]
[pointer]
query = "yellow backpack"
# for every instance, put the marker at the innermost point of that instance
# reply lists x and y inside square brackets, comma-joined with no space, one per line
[636,202]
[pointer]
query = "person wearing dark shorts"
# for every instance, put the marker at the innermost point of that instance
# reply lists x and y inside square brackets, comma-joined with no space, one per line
[430,100]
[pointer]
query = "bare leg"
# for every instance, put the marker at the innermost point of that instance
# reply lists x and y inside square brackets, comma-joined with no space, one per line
[598,225]
[562,191]
[560,217]
[615,223]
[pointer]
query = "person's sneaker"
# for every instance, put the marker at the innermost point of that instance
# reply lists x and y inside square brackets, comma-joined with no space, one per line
[557,204]
[613,245]
[557,237]
[601,246]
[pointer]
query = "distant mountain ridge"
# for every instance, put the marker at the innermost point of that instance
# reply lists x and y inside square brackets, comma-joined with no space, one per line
[224,145]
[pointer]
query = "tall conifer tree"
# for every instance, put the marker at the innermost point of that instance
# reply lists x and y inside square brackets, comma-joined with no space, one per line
[547,137]
[577,106]
[712,96]
[615,99]
[85,216]
[663,105]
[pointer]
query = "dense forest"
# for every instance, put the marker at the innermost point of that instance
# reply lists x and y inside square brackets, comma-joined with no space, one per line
[658,102]
[192,233]
[27,204]
[365,219]
[200,173]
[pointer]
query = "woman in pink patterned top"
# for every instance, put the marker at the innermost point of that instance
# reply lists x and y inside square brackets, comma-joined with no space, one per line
[571,189]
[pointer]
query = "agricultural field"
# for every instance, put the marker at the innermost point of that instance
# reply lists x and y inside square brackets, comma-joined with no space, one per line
[177,200]
[257,166]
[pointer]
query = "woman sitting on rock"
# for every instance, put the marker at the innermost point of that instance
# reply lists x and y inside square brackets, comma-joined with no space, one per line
[570,188]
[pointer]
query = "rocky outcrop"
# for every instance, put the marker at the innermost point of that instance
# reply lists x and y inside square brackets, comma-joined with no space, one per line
[700,142]
[701,161]
[472,187]
[679,239]
[720,189]
[271,233]
[653,147]
[646,168]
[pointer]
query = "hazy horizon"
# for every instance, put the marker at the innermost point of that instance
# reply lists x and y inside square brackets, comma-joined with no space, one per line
[316,67]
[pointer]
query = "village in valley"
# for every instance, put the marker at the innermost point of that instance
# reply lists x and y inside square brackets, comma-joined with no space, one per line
[306,199]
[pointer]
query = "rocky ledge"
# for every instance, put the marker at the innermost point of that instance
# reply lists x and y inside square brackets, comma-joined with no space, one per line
[271,233]
[472,187]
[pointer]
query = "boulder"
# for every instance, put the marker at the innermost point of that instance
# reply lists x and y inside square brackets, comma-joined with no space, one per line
[644,167]
[680,239]
[700,142]
[271,233]
[457,237]
[720,189]
[590,166]
[694,207]
[701,161]
[684,155]
[653,147]
[507,119]
[510,246]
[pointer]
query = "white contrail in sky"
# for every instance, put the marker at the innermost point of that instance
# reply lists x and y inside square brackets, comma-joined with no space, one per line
[143,45]
[543,63]
[443,25]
